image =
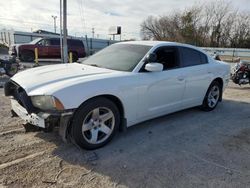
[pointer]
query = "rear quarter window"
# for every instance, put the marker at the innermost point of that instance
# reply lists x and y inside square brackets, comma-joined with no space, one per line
[192,57]
[75,43]
[55,42]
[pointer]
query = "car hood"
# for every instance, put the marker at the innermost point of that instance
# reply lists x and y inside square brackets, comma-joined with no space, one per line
[52,77]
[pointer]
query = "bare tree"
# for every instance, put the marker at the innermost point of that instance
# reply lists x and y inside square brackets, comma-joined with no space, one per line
[151,29]
[212,24]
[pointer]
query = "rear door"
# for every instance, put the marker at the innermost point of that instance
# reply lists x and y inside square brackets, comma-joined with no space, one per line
[195,68]
[54,48]
[77,47]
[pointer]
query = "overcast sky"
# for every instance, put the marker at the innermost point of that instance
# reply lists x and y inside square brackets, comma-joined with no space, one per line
[27,15]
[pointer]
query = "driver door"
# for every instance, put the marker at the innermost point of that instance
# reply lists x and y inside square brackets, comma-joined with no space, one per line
[43,48]
[162,92]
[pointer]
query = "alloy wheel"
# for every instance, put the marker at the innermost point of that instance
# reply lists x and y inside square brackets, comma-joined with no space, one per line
[213,96]
[98,125]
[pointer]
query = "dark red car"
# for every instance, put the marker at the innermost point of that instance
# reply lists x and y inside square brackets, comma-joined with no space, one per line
[48,48]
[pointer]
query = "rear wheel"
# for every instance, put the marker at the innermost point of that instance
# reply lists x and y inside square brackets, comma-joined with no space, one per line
[27,56]
[74,57]
[95,123]
[212,96]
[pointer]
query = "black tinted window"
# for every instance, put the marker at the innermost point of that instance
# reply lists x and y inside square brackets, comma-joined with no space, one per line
[168,56]
[203,58]
[75,43]
[55,42]
[192,57]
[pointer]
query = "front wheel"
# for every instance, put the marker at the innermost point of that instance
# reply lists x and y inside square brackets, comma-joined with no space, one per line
[95,123]
[27,56]
[212,96]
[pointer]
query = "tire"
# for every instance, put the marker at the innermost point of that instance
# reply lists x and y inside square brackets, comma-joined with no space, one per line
[95,123]
[74,57]
[27,56]
[13,70]
[212,96]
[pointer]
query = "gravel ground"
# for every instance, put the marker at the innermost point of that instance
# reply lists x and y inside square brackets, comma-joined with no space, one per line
[190,148]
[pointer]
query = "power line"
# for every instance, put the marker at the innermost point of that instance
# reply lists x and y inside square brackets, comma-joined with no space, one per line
[83,14]
[51,25]
[85,29]
[16,20]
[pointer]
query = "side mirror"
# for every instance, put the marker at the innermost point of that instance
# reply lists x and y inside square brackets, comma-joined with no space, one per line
[154,67]
[152,57]
[39,44]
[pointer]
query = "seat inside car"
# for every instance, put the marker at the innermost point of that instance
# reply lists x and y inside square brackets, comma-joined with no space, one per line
[167,57]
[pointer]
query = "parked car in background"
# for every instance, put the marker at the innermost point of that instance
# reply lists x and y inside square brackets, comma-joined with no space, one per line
[121,85]
[48,48]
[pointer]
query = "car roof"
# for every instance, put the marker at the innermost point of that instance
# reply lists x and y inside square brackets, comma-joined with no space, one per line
[59,38]
[162,43]
[149,43]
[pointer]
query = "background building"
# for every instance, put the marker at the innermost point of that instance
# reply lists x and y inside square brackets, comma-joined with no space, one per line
[10,37]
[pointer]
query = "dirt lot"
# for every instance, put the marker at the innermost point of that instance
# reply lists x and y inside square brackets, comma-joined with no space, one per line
[185,149]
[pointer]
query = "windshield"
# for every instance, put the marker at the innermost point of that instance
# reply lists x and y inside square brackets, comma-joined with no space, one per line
[121,57]
[35,41]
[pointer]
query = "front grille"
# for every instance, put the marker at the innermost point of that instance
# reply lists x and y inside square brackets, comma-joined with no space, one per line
[13,89]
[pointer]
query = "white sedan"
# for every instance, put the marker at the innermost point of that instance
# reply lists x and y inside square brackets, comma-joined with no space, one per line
[122,85]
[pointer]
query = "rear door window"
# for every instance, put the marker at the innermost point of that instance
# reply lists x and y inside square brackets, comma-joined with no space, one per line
[75,43]
[168,57]
[192,57]
[55,42]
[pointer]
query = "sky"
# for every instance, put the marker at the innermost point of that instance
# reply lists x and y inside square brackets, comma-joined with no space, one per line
[83,15]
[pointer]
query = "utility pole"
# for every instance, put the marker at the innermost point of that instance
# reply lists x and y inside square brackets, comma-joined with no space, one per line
[93,32]
[54,17]
[65,46]
[61,41]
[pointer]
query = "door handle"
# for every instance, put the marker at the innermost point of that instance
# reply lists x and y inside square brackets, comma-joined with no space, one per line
[181,78]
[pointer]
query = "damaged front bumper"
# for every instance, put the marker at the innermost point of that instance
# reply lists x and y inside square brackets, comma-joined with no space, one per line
[22,106]
[43,119]
[34,119]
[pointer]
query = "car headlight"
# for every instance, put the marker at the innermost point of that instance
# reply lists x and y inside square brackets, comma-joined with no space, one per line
[46,102]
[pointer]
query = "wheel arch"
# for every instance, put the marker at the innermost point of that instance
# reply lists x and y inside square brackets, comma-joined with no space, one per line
[25,50]
[220,81]
[117,101]
[74,52]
